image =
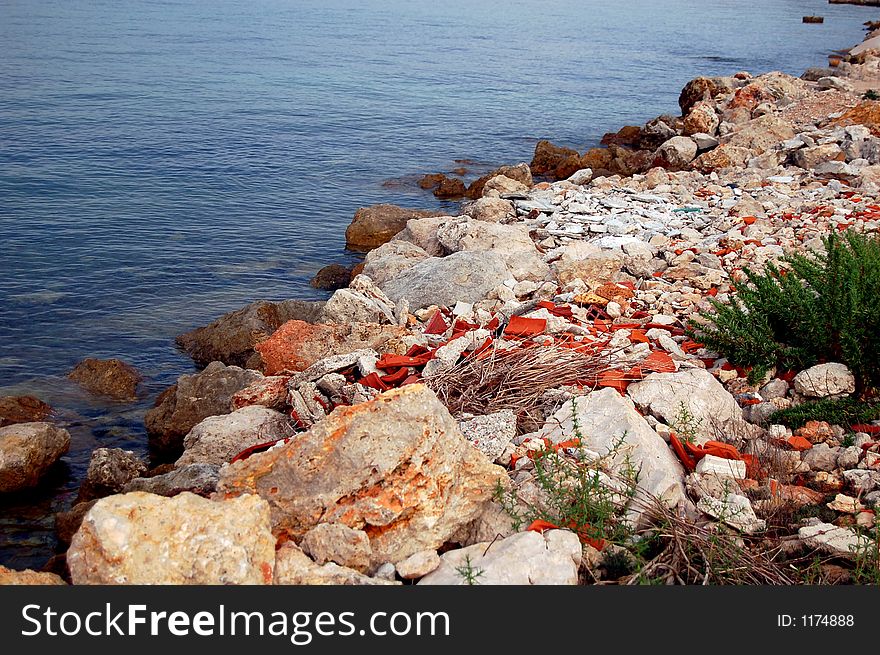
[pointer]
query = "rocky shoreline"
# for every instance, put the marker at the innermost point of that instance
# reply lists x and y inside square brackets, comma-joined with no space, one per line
[480,373]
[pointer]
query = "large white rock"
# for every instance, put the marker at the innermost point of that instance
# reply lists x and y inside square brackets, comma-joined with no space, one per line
[606,419]
[140,538]
[218,439]
[713,410]
[526,558]
[361,302]
[825,380]
[831,539]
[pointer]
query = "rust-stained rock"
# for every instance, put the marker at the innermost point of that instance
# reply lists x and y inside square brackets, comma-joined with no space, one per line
[702,88]
[28,577]
[373,226]
[724,156]
[548,156]
[141,538]
[107,377]
[270,391]
[231,338]
[296,345]
[396,467]
[22,409]
[865,113]
[519,173]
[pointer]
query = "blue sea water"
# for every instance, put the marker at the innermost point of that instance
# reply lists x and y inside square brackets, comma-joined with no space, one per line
[164,162]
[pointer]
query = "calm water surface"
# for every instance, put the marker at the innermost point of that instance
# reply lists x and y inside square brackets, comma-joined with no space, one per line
[162,163]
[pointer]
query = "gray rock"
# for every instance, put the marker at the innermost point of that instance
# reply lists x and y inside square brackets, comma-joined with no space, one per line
[849,458]
[217,439]
[418,565]
[734,510]
[825,380]
[463,276]
[512,242]
[862,481]
[828,538]
[820,458]
[231,338]
[194,398]
[713,411]
[362,302]
[27,452]
[606,419]
[336,542]
[140,538]
[526,558]
[200,479]
[775,388]
[110,469]
[491,210]
[676,153]
[704,141]
[581,177]
[490,433]
[391,259]
[396,467]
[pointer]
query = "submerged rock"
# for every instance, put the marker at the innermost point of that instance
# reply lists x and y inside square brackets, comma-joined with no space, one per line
[140,538]
[22,409]
[27,452]
[194,398]
[396,467]
[107,377]
[331,278]
[232,337]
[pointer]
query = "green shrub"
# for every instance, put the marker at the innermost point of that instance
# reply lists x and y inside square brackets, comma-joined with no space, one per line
[842,411]
[819,308]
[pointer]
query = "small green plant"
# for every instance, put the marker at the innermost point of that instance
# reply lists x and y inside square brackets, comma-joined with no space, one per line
[849,439]
[818,308]
[468,573]
[871,94]
[840,411]
[686,425]
[867,558]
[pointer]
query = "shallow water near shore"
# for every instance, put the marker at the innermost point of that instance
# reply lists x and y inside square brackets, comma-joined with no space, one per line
[162,163]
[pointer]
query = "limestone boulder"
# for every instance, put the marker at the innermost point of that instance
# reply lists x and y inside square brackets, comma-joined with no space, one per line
[27,452]
[512,242]
[391,259]
[825,380]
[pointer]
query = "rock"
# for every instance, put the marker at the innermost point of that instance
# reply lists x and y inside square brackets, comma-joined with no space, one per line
[593,266]
[67,523]
[331,278]
[270,391]
[297,345]
[760,134]
[548,157]
[809,158]
[820,458]
[418,565]
[701,119]
[825,380]
[27,452]
[396,467]
[450,188]
[294,567]
[375,225]
[511,242]
[814,74]
[729,468]
[194,398]
[734,510]
[431,180]
[140,538]
[217,439]
[676,153]
[628,136]
[519,173]
[704,141]
[22,409]
[606,419]
[391,259]
[466,276]
[336,542]
[200,479]
[490,433]
[865,113]
[526,558]
[28,577]
[231,338]
[702,88]
[714,413]
[491,210]
[501,185]
[724,156]
[830,539]
[423,233]
[363,302]
[107,377]
[845,504]
[110,469]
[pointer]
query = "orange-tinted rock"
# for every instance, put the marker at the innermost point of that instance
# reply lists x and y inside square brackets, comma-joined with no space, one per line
[596,158]
[865,113]
[628,135]
[296,345]
[724,156]
[28,577]
[701,88]
[520,173]
[271,392]
[22,409]
[373,226]
[815,432]
[750,96]
[702,118]
[549,156]
[431,180]
[107,377]
[450,188]
[396,467]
